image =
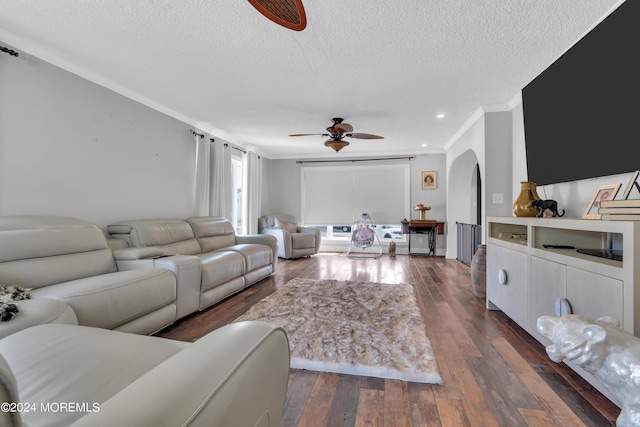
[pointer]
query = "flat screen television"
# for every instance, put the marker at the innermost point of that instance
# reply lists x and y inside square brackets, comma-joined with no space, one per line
[582,114]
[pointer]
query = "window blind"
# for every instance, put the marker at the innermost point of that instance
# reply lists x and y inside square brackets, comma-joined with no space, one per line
[338,195]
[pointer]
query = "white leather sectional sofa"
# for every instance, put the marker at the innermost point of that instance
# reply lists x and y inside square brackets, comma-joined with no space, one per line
[74,278]
[77,352]
[229,262]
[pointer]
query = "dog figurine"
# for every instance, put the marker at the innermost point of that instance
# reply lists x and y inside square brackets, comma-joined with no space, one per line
[602,348]
[543,205]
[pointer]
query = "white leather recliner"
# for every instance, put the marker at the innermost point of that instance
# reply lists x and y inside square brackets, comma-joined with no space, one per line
[293,241]
[70,375]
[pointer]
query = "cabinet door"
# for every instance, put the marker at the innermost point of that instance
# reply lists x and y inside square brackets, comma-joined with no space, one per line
[511,296]
[548,282]
[594,295]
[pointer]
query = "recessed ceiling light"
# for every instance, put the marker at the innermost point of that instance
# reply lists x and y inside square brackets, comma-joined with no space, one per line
[424,145]
[440,116]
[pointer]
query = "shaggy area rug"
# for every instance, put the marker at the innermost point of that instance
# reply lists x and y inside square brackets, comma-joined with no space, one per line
[368,329]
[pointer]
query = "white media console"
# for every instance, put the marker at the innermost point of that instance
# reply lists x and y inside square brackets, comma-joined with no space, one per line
[527,277]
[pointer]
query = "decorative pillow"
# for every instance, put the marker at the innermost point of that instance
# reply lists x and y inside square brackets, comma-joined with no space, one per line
[291,228]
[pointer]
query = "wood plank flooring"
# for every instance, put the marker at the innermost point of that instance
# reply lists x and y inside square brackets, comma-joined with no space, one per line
[494,373]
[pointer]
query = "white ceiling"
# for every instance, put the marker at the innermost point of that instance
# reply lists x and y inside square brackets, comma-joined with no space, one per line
[387,66]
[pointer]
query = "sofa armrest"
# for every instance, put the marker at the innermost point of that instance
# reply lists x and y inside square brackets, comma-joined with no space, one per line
[234,376]
[128,254]
[188,272]
[315,232]
[186,268]
[268,239]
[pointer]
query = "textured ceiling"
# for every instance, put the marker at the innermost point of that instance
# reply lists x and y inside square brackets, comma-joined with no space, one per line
[387,66]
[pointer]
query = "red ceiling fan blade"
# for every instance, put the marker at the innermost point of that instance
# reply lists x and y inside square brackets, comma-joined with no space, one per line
[342,128]
[288,13]
[364,136]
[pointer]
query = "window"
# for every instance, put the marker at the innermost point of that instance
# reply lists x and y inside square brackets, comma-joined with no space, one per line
[334,197]
[237,185]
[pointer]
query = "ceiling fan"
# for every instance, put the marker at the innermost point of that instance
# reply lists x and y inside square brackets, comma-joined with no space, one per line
[337,132]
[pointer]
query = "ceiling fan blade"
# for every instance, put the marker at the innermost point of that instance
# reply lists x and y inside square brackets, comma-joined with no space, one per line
[364,136]
[309,134]
[342,128]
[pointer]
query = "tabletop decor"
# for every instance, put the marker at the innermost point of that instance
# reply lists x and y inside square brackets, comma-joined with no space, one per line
[422,209]
[604,192]
[522,205]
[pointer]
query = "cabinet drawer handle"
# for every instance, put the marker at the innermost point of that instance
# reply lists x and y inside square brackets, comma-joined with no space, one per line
[562,307]
[502,277]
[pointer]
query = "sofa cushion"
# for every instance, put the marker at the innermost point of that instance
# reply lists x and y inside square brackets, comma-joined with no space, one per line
[256,256]
[38,312]
[110,300]
[173,236]
[64,363]
[220,267]
[38,251]
[212,233]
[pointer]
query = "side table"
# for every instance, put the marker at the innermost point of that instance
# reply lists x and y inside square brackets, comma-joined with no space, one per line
[424,226]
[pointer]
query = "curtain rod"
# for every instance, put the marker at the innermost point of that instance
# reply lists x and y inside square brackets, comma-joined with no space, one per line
[356,160]
[193,132]
[237,148]
[9,51]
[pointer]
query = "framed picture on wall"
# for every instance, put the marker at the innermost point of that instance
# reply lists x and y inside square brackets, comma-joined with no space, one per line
[605,192]
[429,180]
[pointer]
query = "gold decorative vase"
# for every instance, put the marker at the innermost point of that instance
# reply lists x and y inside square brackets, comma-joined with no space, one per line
[521,207]
[422,210]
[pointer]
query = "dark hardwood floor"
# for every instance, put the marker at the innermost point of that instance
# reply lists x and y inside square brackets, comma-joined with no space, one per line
[494,373]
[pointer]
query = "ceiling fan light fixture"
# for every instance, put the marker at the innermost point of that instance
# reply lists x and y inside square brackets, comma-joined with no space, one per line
[335,145]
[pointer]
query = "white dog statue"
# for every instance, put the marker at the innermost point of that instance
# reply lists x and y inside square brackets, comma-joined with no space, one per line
[602,348]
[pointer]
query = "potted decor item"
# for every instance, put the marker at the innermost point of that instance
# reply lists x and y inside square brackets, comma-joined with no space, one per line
[479,272]
[522,206]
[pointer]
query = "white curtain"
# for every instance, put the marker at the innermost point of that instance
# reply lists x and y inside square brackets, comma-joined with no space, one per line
[202,176]
[221,191]
[252,192]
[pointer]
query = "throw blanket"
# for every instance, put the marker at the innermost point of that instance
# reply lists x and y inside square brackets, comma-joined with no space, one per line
[8,295]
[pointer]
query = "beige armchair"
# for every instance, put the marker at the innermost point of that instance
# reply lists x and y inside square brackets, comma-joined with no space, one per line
[293,241]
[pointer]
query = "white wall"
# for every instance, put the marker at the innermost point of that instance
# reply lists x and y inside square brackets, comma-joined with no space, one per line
[71,147]
[466,151]
[284,189]
[498,157]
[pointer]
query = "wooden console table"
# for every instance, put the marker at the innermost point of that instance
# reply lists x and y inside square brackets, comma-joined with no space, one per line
[423,226]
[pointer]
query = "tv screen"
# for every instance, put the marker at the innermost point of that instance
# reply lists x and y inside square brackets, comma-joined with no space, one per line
[582,114]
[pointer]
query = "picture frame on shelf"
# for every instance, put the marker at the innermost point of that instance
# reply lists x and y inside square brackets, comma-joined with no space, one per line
[429,180]
[632,182]
[604,192]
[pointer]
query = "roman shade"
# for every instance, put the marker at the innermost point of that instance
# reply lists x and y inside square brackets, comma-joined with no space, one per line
[338,195]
